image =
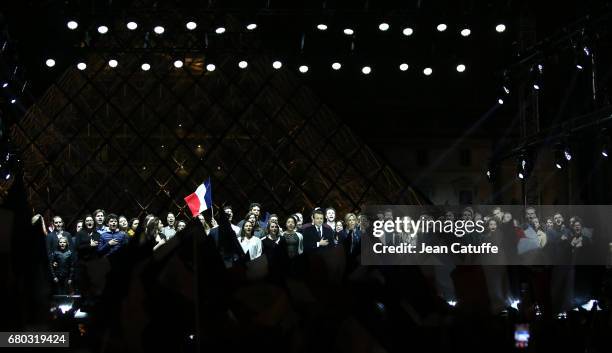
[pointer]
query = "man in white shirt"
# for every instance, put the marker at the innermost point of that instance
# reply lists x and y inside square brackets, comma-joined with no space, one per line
[330,217]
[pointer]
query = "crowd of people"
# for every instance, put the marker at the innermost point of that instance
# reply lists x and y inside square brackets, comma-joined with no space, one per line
[532,240]
[283,242]
[102,234]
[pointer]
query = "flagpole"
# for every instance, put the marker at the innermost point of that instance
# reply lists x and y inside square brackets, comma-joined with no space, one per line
[196,289]
[212,213]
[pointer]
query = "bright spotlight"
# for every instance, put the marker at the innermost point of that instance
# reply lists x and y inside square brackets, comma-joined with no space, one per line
[536,86]
[277,65]
[322,27]
[521,175]
[441,27]
[303,69]
[460,68]
[427,71]
[403,67]
[81,66]
[178,63]
[349,31]
[220,30]
[102,29]
[191,25]
[514,303]
[251,26]
[579,67]
[243,64]
[211,67]
[13,101]
[336,66]
[407,31]
[500,28]
[383,26]
[72,24]
[159,29]
[131,25]
[113,63]
[145,67]
[366,70]
[4,84]
[50,62]
[500,101]
[466,32]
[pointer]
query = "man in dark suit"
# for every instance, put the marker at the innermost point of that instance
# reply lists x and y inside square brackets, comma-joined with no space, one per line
[317,236]
[58,231]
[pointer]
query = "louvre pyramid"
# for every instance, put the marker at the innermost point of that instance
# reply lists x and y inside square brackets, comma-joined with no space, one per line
[136,142]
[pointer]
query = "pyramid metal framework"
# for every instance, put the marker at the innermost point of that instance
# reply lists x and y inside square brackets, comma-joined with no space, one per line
[137,142]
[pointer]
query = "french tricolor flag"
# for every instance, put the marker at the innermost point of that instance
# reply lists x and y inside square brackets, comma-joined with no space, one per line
[201,199]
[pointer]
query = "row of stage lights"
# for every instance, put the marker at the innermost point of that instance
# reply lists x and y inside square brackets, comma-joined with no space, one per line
[243,64]
[562,157]
[583,57]
[251,26]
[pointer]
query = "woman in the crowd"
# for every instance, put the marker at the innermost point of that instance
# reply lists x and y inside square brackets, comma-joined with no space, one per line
[351,235]
[123,224]
[61,262]
[180,225]
[155,229]
[467,214]
[275,248]
[338,232]
[257,231]
[86,244]
[248,241]
[293,238]
[87,239]
[134,223]
[78,226]
[539,232]
[274,219]
[299,218]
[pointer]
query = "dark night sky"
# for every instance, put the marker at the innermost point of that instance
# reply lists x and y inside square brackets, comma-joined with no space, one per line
[387,103]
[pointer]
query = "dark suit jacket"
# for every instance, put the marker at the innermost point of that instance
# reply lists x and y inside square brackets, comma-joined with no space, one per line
[311,237]
[347,240]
